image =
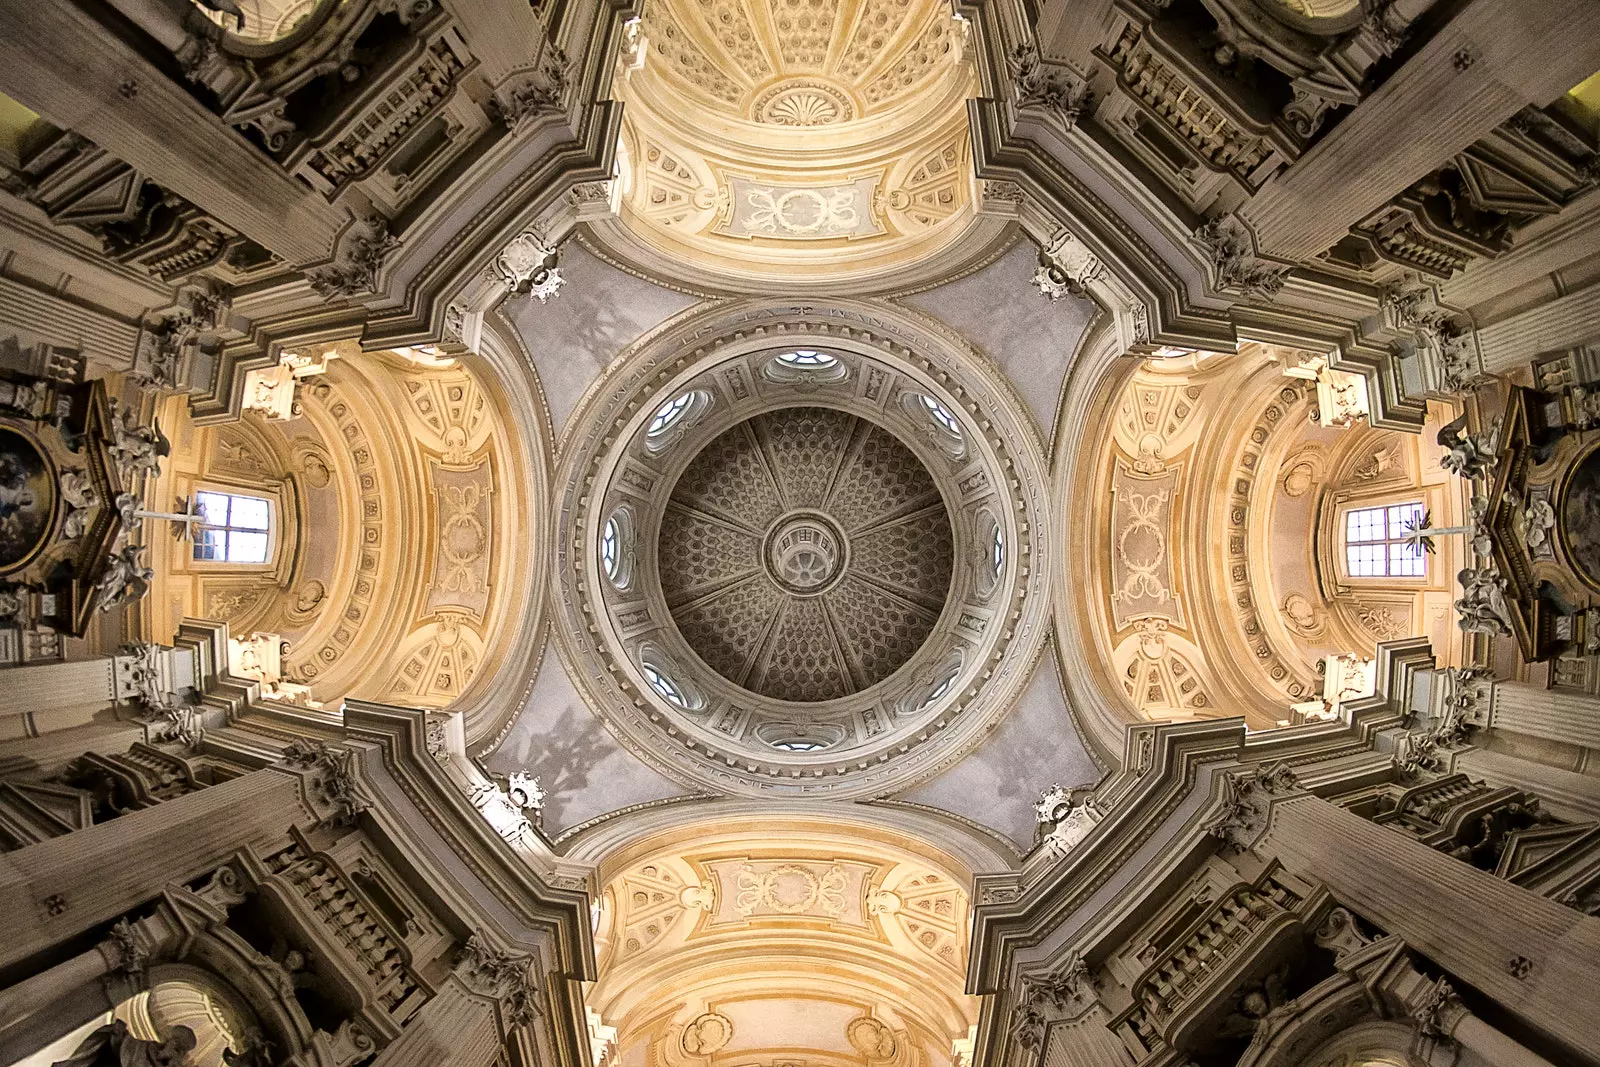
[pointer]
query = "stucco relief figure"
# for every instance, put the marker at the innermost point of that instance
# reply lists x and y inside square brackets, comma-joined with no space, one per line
[1482,607]
[1469,455]
[138,449]
[126,578]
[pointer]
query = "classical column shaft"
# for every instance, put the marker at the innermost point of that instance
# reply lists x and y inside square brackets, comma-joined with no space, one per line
[1521,708]
[1069,30]
[60,62]
[47,987]
[504,35]
[1482,67]
[1496,1048]
[1563,793]
[1565,322]
[46,697]
[454,1029]
[1479,928]
[54,889]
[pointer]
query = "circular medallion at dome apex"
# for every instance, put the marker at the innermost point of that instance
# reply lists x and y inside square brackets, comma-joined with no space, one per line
[805,554]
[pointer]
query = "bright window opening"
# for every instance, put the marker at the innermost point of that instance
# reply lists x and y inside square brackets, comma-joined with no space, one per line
[798,745]
[807,358]
[942,415]
[610,549]
[997,551]
[233,528]
[1375,542]
[662,683]
[668,414]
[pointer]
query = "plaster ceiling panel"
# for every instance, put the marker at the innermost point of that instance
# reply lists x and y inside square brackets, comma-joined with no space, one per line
[583,770]
[1035,747]
[1032,339]
[602,310]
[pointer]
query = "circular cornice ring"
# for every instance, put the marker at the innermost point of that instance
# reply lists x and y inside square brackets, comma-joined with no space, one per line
[622,646]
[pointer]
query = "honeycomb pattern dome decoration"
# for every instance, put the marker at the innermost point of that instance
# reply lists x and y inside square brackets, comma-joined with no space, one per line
[807,554]
[796,548]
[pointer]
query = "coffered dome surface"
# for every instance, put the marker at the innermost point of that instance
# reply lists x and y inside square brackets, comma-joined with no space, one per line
[799,548]
[805,554]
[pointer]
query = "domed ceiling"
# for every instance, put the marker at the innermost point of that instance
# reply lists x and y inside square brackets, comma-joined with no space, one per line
[825,137]
[805,554]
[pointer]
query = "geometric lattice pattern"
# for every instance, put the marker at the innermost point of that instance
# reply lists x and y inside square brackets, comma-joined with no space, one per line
[719,583]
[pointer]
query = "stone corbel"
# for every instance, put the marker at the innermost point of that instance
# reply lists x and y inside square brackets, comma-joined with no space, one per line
[1231,250]
[361,250]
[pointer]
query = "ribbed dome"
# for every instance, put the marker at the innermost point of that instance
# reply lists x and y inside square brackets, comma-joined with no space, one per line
[805,554]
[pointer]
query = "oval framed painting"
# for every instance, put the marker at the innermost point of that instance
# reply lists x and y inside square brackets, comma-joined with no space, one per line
[27,500]
[1580,516]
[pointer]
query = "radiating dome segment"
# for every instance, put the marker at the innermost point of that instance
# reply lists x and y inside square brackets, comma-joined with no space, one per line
[805,554]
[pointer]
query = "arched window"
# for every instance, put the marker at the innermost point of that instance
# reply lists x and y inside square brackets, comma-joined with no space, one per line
[610,549]
[799,745]
[997,550]
[233,528]
[1375,542]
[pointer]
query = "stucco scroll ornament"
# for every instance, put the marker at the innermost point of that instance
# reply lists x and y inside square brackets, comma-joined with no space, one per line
[706,1033]
[333,783]
[1067,267]
[1048,86]
[492,971]
[527,266]
[362,248]
[1232,252]
[1062,822]
[1052,998]
[114,1043]
[1469,455]
[1246,801]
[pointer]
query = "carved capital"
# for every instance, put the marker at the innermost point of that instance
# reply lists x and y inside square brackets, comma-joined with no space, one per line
[1232,252]
[1048,87]
[507,976]
[1247,798]
[335,790]
[362,248]
[528,94]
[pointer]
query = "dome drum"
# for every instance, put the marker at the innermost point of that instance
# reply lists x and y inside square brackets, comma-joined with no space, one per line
[811,554]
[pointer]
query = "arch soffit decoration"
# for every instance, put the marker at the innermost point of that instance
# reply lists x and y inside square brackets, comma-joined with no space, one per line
[888,351]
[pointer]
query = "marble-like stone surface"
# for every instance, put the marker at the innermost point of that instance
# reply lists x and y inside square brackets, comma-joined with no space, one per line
[585,772]
[1036,746]
[578,332]
[1004,316]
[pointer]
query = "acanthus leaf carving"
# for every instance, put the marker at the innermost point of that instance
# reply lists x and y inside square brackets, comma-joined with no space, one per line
[1232,253]
[1046,86]
[361,250]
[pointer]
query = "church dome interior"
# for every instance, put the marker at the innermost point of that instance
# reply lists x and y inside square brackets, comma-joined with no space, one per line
[799,533]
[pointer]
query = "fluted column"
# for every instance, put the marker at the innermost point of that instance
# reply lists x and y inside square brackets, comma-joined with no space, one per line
[1490,60]
[1565,794]
[1566,322]
[1539,959]
[1558,715]
[75,72]
[455,1029]
[1085,1042]
[47,697]
[57,888]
